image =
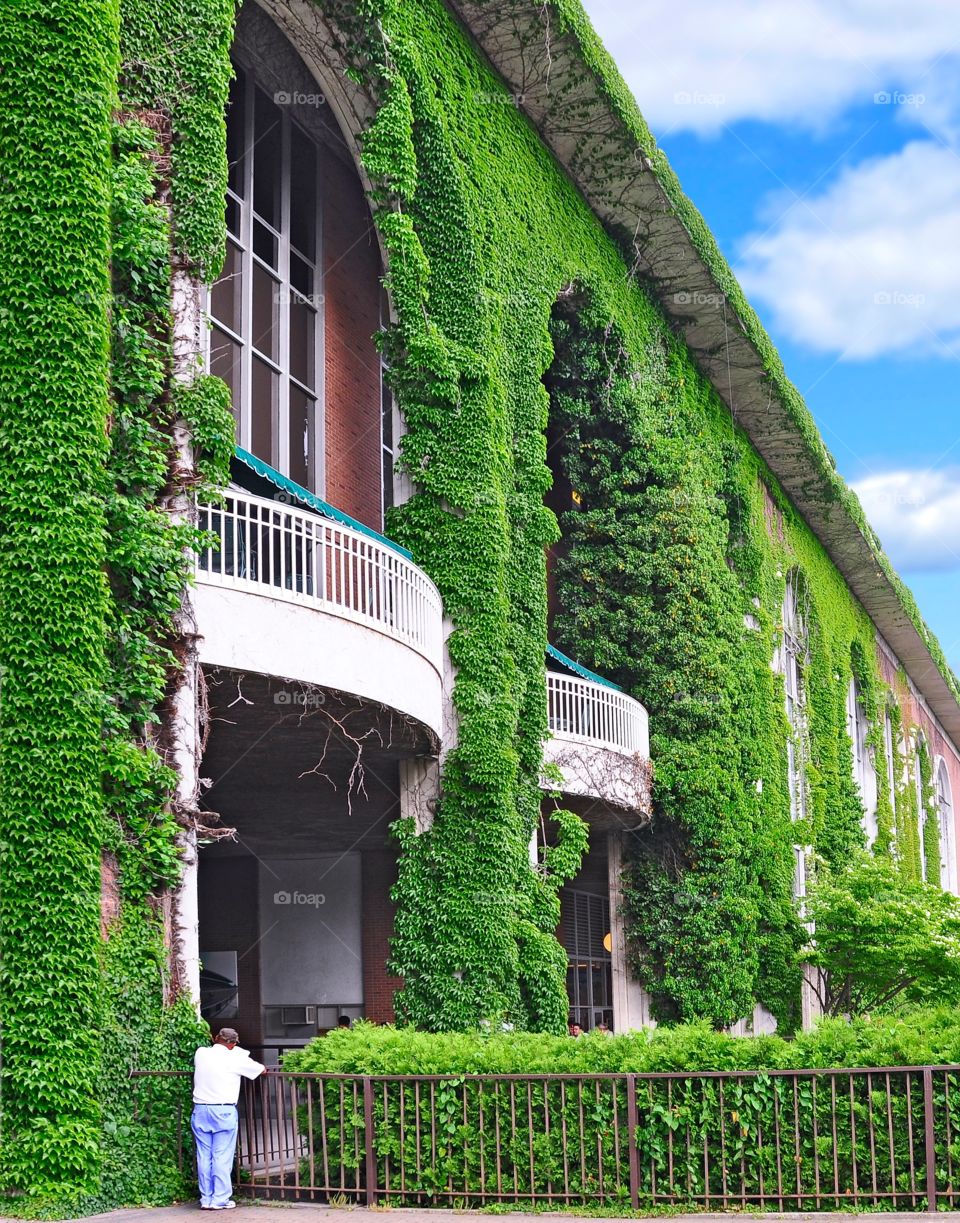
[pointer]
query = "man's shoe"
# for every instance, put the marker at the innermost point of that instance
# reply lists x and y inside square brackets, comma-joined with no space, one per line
[231,1205]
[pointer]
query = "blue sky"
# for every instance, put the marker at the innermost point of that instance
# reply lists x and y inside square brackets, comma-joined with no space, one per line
[821,141]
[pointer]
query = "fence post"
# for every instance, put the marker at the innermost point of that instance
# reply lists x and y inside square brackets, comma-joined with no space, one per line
[632,1142]
[930,1142]
[180,1134]
[368,1141]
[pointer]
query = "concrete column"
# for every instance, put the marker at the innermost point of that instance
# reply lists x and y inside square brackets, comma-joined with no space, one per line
[420,776]
[631,1002]
[183,733]
[810,1009]
[419,790]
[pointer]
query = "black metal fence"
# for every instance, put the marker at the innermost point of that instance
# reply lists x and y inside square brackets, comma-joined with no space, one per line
[886,1138]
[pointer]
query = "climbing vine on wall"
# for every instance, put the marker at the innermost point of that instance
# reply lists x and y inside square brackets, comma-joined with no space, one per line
[149,563]
[648,598]
[54,242]
[90,582]
[672,579]
[672,582]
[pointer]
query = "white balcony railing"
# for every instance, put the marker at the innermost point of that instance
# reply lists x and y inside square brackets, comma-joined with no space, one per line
[287,553]
[593,714]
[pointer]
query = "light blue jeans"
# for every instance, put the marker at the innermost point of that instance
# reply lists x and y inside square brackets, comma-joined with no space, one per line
[215,1130]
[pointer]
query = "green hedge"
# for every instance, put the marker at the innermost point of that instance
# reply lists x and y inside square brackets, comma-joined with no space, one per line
[914,1039]
[817,1141]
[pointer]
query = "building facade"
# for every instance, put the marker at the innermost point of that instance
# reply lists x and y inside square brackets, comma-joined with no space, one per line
[426,597]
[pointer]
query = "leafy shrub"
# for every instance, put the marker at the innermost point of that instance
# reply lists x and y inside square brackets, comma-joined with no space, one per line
[880,936]
[914,1038]
[820,1140]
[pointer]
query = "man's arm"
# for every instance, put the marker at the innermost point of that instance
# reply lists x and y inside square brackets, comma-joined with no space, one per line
[251,1069]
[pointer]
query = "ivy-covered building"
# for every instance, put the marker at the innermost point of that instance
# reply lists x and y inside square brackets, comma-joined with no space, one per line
[383,440]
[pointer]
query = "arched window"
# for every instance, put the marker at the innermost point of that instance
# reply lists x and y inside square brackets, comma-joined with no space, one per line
[294,315]
[948,852]
[266,330]
[864,771]
[791,661]
[919,747]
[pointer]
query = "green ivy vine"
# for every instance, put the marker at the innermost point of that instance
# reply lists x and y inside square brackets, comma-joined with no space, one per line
[512,304]
[91,580]
[511,307]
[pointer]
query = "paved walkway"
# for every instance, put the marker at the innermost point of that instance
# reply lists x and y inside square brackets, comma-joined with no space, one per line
[302,1213]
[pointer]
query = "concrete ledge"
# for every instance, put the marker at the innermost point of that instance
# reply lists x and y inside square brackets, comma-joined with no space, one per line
[253,632]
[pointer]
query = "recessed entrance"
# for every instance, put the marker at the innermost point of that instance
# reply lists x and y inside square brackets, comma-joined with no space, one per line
[295,910]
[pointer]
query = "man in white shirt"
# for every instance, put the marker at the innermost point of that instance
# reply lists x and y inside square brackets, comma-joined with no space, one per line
[217,1071]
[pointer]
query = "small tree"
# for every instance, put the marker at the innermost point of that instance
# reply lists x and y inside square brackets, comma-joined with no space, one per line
[877,937]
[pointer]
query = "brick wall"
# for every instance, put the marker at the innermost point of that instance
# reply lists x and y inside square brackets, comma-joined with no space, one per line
[109,892]
[351,262]
[379,875]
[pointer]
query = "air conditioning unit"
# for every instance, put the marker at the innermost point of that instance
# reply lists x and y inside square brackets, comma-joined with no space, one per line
[298,1016]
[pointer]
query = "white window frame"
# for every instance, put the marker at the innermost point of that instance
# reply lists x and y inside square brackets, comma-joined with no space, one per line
[864,766]
[242,243]
[921,806]
[889,751]
[946,818]
[792,655]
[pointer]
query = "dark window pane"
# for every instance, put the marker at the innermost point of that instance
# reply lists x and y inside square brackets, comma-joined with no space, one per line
[264,244]
[302,415]
[301,276]
[232,214]
[225,363]
[386,414]
[263,411]
[267,147]
[266,311]
[225,296]
[303,193]
[303,323]
[386,434]
[236,139]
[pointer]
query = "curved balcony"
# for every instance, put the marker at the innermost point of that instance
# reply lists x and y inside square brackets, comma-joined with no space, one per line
[600,741]
[286,592]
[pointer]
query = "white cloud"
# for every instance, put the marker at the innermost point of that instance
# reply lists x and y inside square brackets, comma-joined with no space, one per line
[701,64]
[869,266]
[917,516]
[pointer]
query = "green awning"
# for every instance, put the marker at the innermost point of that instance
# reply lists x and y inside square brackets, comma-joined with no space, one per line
[554,653]
[307,499]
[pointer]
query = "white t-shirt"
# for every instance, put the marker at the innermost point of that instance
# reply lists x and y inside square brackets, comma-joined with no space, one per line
[217,1072]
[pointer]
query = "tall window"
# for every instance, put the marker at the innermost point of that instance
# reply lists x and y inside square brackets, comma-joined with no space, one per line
[864,772]
[266,333]
[585,927]
[791,662]
[948,853]
[923,814]
[888,748]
